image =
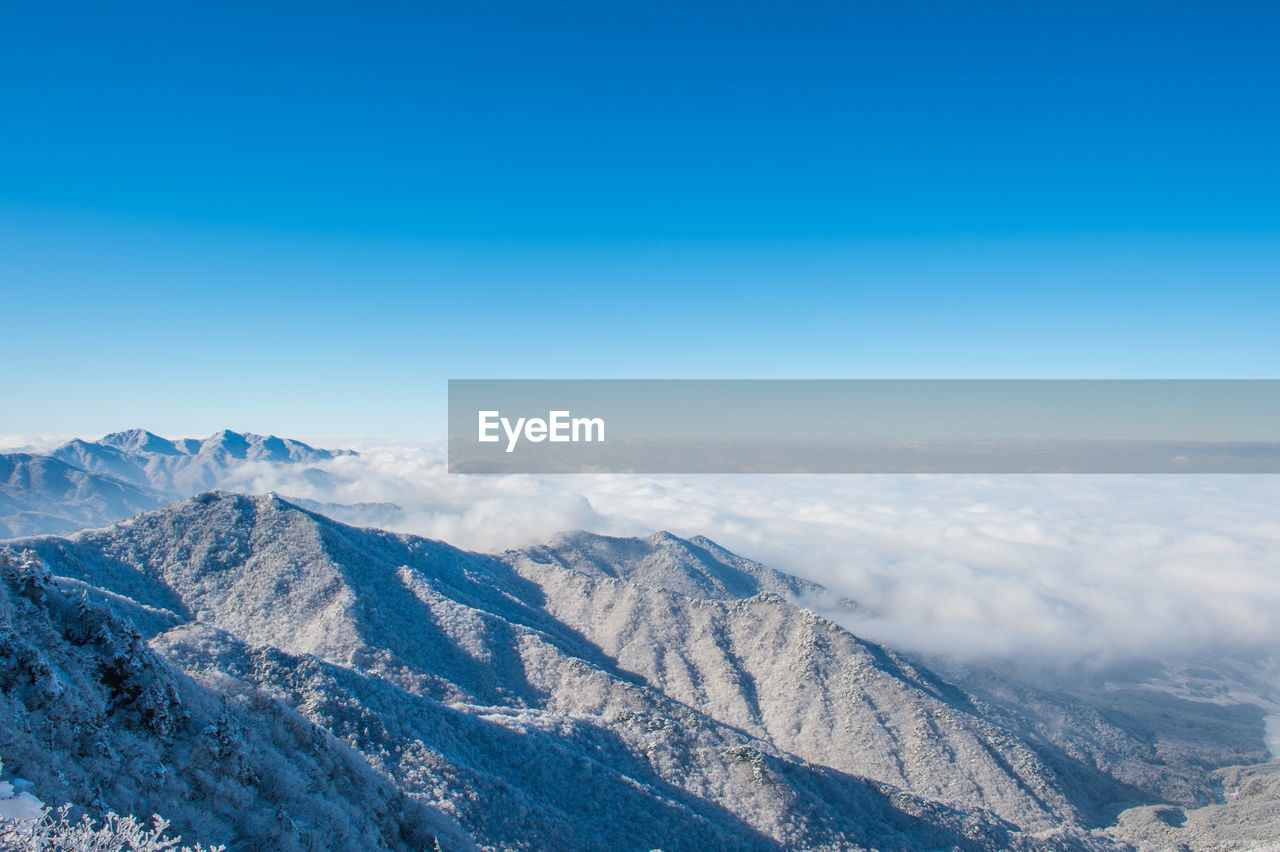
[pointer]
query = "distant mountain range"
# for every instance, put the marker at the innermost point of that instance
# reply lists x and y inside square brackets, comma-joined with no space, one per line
[95,483]
[268,677]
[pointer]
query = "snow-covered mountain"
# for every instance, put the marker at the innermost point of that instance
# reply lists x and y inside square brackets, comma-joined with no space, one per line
[698,568]
[95,483]
[590,693]
[40,494]
[96,717]
[446,669]
[186,466]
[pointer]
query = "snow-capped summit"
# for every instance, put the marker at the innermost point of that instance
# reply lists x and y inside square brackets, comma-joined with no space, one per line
[140,441]
[184,467]
[247,446]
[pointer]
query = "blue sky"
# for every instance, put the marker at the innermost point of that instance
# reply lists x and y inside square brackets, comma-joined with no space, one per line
[305,220]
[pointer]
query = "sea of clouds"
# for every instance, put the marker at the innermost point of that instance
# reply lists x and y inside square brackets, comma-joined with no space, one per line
[1068,567]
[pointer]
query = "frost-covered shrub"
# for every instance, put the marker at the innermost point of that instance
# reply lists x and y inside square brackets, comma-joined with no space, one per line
[56,832]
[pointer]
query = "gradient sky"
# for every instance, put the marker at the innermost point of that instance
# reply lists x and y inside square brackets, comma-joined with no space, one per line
[304,220]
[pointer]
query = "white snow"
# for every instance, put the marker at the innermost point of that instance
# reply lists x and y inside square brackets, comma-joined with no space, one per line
[18,806]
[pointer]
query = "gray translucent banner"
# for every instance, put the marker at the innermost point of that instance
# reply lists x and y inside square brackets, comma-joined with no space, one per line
[864,426]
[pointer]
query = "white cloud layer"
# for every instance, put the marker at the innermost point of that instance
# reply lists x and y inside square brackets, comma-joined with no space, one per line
[31,443]
[1066,567]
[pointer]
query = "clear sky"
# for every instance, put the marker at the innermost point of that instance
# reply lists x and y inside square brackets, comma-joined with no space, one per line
[304,219]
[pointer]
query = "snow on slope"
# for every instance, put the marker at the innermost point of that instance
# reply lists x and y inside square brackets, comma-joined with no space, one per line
[795,679]
[1245,817]
[95,717]
[448,671]
[600,693]
[697,567]
[643,773]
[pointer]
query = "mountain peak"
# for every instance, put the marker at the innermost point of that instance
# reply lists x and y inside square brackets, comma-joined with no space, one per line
[695,568]
[251,447]
[140,441]
[234,444]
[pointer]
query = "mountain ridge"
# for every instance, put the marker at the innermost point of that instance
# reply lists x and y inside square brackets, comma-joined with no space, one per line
[82,484]
[687,688]
[187,466]
[516,639]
